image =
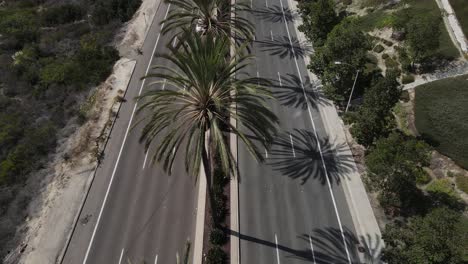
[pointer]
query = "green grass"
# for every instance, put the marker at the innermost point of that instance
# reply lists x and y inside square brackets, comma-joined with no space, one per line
[447,49]
[461,10]
[442,186]
[377,19]
[442,116]
[462,183]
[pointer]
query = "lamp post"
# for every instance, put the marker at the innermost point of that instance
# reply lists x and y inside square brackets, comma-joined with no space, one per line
[354,84]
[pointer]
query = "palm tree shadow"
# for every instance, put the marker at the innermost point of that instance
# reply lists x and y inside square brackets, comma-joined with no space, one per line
[296,155]
[282,47]
[328,246]
[326,241]
[292,92]
[274,14]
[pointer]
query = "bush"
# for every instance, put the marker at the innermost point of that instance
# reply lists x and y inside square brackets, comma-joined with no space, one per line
[216,255]
[107,10]
[407,79]
[378,48]
[20,24]
[387,42]
[439,237]
[62,14]
[462,182]
[442,192]
[441,186]
[405,97]
[391,63]
[422,177]
[217,237]
[385,56]
[219,209]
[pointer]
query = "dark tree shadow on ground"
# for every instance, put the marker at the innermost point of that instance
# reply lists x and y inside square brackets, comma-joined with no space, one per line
[282,47]
[328,246]
[274,14]
[292,93]
[305,161]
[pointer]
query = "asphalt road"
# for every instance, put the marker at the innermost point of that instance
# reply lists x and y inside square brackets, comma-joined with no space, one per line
[134,211]
[292,208]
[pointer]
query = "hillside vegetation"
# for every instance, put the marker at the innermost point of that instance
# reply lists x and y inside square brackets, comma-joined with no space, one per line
[51,55]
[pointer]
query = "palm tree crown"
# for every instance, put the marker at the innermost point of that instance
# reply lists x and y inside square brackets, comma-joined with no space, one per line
[206,89]
[209,17]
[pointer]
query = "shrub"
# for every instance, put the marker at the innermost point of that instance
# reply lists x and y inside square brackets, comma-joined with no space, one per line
[216,255]
[62,14]
[378,48]
[407,79]
[107,10]
[462,182]
[385,56]
[422,177]
[438,237]
[387,42]
[20,24]
[217,237]
[442,186]
[391,63]
[404,96]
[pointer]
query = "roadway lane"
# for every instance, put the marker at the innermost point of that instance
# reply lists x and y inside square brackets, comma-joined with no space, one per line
[292,209]
[134,210]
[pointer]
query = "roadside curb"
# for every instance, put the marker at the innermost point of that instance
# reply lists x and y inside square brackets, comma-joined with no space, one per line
[234,190]
[90,181]
[368,231]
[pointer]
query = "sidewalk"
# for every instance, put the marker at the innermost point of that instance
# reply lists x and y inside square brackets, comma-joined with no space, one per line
[363,216]
[453,26]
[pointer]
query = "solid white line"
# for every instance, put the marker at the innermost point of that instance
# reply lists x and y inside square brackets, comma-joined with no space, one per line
[156,260]
[144,162]
[121,255]
[316,138]
[121,149]
[164,84]
[174,43]
[251,5]
[277,250]
[292,145]
[312,248]
[271,35]
[266,3]
[279,78]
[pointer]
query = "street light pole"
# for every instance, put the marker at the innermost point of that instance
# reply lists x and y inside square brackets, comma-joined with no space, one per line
[354,84]
[352,90]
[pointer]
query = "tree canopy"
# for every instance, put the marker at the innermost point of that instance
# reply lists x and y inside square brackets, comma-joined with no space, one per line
[318,18]
[436,238]
[394,165]
[374,117]
[345,44]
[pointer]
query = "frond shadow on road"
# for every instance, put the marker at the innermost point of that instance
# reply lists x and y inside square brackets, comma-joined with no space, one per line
[274,14]
[296,155]
[282,47]
[292,93]
[328,246]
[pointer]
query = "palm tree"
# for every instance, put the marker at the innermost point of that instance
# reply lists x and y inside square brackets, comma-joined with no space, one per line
[209,17]
[193,116]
